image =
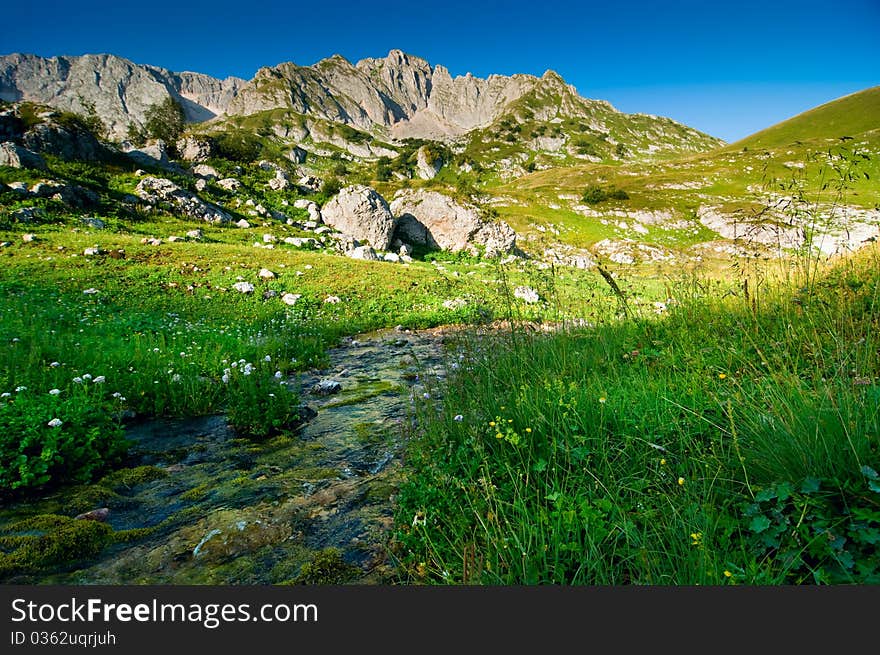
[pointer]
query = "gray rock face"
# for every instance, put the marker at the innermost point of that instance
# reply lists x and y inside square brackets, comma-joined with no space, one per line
[159,191]
[361,212]
[15,156]
[121,91]
[431,219]
[426,166]
[70,145]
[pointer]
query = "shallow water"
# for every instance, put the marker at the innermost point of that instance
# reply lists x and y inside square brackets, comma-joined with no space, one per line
[232,511]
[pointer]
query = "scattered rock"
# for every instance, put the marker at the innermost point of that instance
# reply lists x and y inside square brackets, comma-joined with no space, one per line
[205,171]
[94,223]
[526,294]
[194,234]
[302,242]
[363,252]
[243,223]
[280,181]
[326,387]
[229,184]
[290,298]
[94,251]
[201,185]
[266,274]
[391,257]
[157,190]
[333,300]
[28,214]
[243,287]
[269,238]
[28,238]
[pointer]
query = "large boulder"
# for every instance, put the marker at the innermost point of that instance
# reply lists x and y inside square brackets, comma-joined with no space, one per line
[194,149]
[362,213]
[433,220]
[153,154]
[15,156]
[159,191]
[68,143]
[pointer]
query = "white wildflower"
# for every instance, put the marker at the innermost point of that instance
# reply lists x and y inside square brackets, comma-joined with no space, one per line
[54,392]
[99,380]
[77,380]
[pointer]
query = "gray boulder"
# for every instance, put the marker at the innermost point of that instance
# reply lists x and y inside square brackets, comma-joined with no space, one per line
[67,144]
[159,191]
[362,213]
[363,252]
[155,155]
[431,219]
[297,155]
[194,149]
[15,156]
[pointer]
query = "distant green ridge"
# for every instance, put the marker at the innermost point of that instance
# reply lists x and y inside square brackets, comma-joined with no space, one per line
[850,115]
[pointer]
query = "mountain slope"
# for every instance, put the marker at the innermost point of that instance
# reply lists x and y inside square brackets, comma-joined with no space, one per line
[850,115]
[393,98]
[120,90]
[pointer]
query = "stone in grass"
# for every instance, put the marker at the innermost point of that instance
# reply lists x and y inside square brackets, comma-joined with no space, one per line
[243,287]
[290,298]
[266,274]
[326,387]
[526,294]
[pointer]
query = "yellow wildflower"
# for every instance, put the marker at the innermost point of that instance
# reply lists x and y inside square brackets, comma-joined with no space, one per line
[681,481]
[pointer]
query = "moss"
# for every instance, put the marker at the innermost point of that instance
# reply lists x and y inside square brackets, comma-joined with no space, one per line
[126,479]
[196,493]
[49,539]
[88,497]
[326,567]
[135,534]
[314,473]
[380,492]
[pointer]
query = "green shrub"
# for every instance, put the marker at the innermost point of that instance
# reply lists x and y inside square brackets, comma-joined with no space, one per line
[238,145]
[165,120]
[259,405]
[594,194]
[45,438]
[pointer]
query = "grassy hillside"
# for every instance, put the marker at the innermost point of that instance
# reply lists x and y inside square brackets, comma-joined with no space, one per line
[852,116]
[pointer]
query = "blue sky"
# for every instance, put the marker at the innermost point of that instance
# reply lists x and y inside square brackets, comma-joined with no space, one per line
[728,69]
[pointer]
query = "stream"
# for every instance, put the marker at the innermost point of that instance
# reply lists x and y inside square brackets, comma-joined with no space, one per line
[226,510]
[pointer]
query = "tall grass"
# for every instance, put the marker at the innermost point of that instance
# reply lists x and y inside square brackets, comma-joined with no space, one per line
[715,444]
